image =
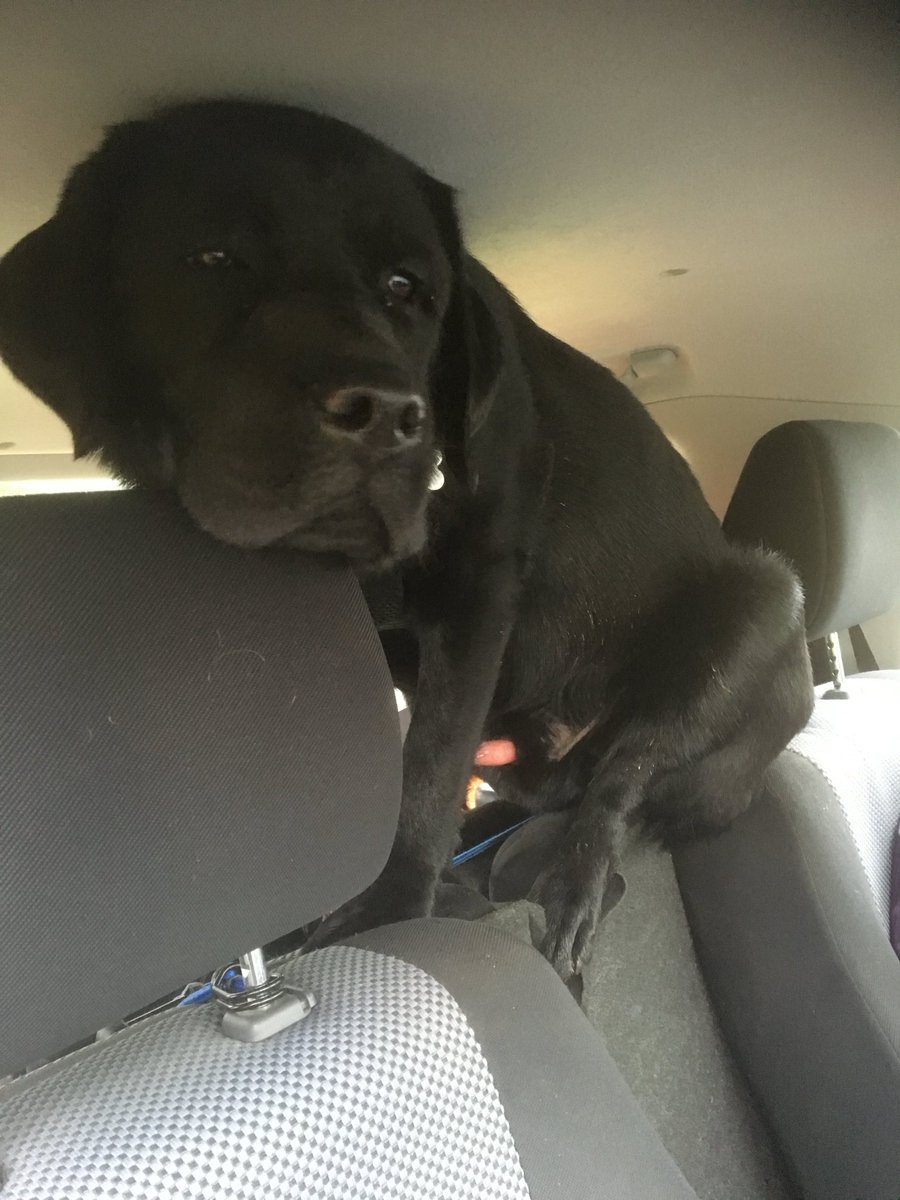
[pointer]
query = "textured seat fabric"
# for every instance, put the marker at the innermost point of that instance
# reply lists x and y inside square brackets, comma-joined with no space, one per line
[415,1076]
[382,1091]
[579,1132]
[895,891]
[855,744]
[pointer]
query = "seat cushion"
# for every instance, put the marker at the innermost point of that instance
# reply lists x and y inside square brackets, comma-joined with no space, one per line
[391,1088]
[381,1091]
[579,1132]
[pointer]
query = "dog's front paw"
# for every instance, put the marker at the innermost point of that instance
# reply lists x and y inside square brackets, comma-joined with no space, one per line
[380,904]
[573,910]
[571,920]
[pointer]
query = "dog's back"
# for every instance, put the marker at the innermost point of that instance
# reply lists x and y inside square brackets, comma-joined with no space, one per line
[641,632]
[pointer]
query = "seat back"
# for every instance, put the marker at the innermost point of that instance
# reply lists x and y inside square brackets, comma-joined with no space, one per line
[199,752]
[790,907]
[826,495]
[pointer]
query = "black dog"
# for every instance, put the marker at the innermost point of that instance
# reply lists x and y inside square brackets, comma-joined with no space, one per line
[273,314]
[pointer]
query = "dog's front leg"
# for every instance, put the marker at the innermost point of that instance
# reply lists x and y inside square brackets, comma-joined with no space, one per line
[460,653]
[583,872]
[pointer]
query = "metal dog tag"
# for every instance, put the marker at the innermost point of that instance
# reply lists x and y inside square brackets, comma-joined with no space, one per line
[436,482]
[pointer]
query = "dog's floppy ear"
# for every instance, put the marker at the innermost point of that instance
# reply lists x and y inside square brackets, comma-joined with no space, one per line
[470,352]
[58,326]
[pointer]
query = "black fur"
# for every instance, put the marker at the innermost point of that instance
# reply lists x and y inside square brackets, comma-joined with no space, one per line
[568,587]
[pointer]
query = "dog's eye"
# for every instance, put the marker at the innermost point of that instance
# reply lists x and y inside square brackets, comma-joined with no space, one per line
[401,287]
[214,259]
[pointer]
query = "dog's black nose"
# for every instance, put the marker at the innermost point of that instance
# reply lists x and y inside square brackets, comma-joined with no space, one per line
[382,420]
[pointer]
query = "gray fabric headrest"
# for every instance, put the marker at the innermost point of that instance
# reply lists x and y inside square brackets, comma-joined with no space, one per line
[199,752]
[826,494]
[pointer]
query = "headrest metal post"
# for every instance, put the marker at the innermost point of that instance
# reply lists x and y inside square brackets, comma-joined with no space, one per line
[254,969]
[266,1005]
[836,667]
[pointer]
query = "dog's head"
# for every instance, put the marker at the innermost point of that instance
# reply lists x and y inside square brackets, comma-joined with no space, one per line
[264,309]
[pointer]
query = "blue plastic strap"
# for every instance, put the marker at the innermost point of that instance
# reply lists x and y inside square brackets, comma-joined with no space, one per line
[203,991]
[465,856]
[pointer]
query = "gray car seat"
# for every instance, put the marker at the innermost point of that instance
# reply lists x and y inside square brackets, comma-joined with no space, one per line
[789,908]
[199,751]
